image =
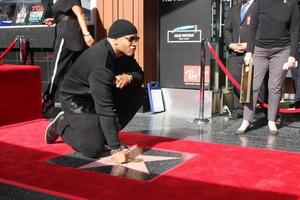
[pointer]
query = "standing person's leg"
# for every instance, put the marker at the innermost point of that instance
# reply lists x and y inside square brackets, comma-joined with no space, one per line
[58,48]
[67,58]
[63,61]
[235,67]
[128,102]
[276,79]
[260,67]
[263,92]
[261,64]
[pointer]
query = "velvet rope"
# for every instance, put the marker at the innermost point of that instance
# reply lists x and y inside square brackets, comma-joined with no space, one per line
[238,86]
[8,49]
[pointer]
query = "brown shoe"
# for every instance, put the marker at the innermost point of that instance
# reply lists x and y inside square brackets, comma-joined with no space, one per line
[51,130]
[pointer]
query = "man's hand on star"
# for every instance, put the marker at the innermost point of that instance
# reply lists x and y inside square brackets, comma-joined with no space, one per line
[126,155]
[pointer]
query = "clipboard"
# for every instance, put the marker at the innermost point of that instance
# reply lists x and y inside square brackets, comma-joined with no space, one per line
[246,83]
[155,97]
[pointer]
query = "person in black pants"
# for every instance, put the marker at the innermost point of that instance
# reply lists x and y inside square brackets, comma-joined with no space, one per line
[296,80]
[236,32]
[101,94]
[296,77]
[72,37]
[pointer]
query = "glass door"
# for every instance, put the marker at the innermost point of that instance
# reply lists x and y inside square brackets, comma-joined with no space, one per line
[220,10]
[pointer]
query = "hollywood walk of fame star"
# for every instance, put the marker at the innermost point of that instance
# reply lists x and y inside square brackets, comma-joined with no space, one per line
[143,165]
[138,162]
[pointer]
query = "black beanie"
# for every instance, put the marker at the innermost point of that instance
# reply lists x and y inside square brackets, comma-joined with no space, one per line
[121,27]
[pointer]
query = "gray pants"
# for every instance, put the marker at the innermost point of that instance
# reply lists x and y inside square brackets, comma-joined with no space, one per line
[264,60]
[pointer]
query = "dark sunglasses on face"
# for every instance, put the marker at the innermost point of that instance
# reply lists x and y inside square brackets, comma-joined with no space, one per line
[132,38]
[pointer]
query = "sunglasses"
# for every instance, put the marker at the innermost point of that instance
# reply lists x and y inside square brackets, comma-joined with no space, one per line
[132,38]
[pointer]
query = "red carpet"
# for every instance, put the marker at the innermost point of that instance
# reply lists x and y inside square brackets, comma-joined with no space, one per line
[214,172]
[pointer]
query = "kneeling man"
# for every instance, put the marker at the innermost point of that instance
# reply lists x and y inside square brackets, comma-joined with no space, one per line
[101,94]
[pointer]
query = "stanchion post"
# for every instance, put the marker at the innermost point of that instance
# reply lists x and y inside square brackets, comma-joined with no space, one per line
[201,119]
[25,50]
[22,50]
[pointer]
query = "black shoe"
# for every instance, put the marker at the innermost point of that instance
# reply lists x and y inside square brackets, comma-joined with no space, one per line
[296,104]
[279,119]
[47,104]
[51,130]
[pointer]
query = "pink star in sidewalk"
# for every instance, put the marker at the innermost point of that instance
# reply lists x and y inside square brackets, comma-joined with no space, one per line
[138,162]
[143,165]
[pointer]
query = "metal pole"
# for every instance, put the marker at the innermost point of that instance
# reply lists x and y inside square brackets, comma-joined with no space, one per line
[201,118]
[202,73]
[20,49]
[24,51]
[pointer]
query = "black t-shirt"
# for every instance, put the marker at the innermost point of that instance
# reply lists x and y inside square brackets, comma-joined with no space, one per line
[275,23]
[92,77]
[64,6]
[69,30]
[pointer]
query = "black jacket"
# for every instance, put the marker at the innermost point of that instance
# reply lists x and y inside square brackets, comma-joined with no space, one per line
[92,77]
[235,30]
